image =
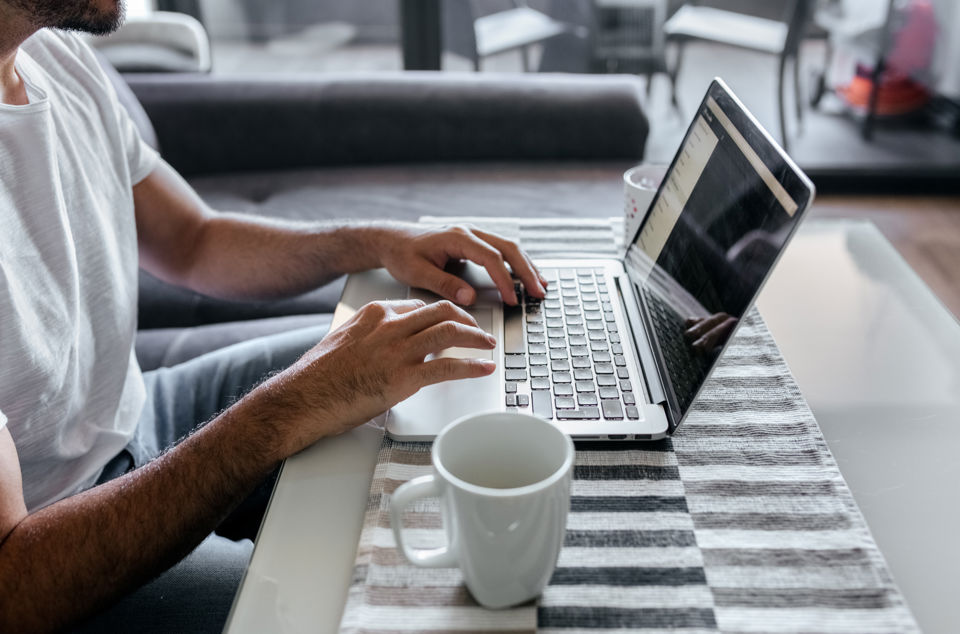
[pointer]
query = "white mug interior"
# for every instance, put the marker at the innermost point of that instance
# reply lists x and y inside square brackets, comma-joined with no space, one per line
[502,452]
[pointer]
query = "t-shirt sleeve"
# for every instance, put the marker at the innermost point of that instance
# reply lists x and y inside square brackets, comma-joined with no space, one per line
[3,419]
[141,158]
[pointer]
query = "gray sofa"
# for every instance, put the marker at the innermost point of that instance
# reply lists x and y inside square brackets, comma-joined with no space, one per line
[369,147]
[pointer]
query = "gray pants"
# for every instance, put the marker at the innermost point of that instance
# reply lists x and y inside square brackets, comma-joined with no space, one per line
[195,595]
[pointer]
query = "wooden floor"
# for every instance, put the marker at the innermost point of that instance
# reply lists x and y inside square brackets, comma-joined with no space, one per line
[925,230]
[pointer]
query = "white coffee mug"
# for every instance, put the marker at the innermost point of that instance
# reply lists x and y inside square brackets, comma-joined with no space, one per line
[640,185]
[503,480]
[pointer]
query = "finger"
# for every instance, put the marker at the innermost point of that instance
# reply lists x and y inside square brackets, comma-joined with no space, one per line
[717,336]
[404,306]
[448,286]
[518,260]
[449,334]
[705,326]
[469,246]
[429,315]
[453,369]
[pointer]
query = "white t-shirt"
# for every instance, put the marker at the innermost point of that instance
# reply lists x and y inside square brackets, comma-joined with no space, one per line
[71,391]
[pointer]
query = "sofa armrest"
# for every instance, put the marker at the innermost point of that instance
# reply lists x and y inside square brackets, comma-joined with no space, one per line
[210,124]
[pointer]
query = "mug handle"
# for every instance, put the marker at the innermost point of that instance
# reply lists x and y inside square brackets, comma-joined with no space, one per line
[422,487]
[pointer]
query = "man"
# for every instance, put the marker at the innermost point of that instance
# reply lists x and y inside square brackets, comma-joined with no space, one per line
[90,508]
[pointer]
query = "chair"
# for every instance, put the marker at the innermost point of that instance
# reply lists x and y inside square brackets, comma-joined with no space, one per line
[781,38]
[477,38]
[157,41]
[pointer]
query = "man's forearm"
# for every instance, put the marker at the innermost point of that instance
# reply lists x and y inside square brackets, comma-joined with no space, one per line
[239,257]
[83,552]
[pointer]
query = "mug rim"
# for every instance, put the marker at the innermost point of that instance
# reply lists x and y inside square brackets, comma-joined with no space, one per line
[662,167]
[527,489]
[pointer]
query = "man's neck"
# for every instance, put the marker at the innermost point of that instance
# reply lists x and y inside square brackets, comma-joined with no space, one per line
[15,28]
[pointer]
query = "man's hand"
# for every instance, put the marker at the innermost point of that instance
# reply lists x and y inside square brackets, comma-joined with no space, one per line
[416,256]
[706,334]
[369,364]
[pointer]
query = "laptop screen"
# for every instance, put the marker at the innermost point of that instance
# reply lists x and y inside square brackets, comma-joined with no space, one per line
[729,203]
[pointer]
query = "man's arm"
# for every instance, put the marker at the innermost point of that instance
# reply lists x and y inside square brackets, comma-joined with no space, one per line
[234,256]
[78,555]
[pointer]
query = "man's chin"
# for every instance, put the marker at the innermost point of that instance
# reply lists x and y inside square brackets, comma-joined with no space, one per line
[96,20]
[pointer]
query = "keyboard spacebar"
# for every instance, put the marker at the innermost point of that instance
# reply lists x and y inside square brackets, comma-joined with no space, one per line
[512,330]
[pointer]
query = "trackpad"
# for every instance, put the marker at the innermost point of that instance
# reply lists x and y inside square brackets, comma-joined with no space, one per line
[484,317]
[423,415]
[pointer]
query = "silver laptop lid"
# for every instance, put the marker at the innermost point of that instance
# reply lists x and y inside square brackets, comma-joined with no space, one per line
[730,202]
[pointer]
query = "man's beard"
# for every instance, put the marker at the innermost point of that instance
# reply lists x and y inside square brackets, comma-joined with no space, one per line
[73,15]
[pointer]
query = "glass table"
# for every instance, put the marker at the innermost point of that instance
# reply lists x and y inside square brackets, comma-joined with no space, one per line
[876,355]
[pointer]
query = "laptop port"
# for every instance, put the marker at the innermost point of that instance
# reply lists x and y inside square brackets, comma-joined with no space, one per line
[616,436]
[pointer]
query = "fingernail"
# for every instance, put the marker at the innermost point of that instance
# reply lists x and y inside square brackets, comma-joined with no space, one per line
[488,365]
[463,296]
[491,340]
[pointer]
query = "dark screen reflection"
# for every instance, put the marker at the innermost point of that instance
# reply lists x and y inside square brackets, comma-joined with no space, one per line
[727,238]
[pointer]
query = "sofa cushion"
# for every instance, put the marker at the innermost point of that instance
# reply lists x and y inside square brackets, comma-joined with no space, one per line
[211,124]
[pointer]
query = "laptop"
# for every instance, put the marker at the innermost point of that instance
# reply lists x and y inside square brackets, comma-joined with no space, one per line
[621,348]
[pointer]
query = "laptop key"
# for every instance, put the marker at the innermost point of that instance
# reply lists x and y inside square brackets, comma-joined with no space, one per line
[565,402]
[585,386]
[590,413]
[609,392]
[523,400]
[557,342]
[579,351]
[514,361]
[602,357]
[569,414]
[554,333]
[626,386]
[619,360]
[510,387]
[632,412]
[581,362]
[563,389]
[578,340]
[562,377]
[560,365]
[539,370]
[511,400]
[588,398]
[542,405]
[534,327]
[538,359]
[603,368]
[537,348]
[539,383]
[629,398]
[612,409]
[614,338]
[558,354]
[515,375]
[622,373]
[616,348]
[583,374]
[555,323]
[575,329]
[606,380]
[536,337]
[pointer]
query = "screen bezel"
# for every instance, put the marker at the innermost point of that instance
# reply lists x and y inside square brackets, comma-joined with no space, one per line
[803,192]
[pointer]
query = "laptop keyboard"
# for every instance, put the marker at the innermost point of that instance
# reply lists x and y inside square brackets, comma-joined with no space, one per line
[686,368]
[563,355]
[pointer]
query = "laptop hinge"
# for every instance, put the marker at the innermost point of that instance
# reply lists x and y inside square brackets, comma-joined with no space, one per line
[641,342]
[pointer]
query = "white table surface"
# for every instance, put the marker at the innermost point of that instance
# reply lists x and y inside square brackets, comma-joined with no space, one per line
[876,355]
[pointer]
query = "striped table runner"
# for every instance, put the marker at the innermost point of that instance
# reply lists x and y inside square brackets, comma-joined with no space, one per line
[739,523]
